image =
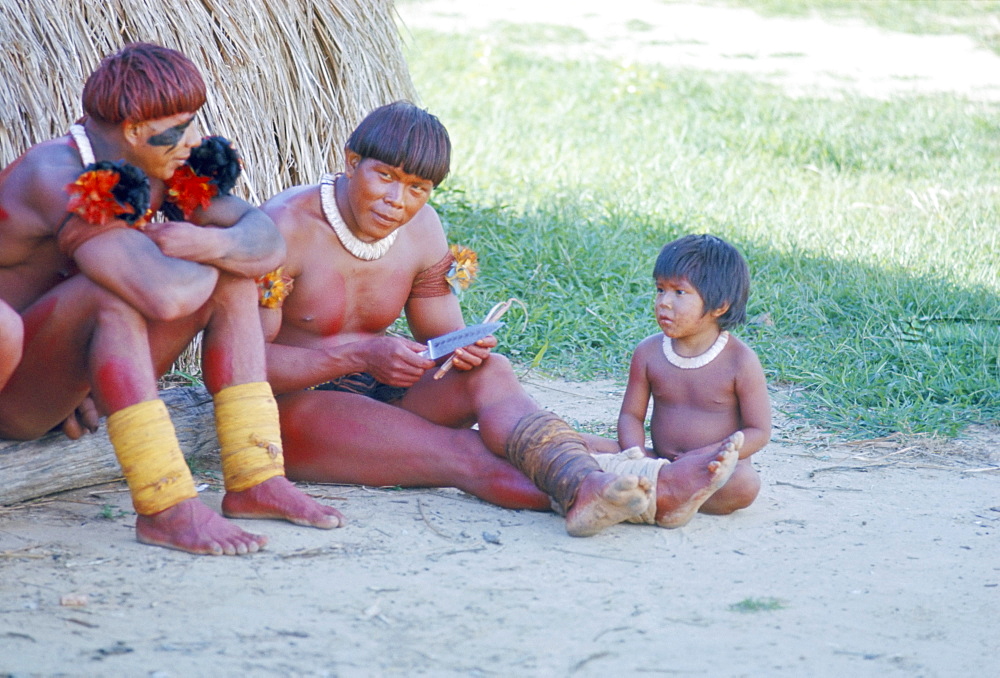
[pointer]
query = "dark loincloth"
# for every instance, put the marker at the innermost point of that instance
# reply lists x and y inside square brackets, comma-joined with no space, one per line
[364,384]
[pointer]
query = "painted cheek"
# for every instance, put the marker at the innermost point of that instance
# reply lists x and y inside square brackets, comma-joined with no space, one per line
[217,366]
[115,385]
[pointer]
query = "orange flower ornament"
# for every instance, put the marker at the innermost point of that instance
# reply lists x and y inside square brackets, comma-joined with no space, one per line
[273,288]
[189,191]
[106,191]
[464,270]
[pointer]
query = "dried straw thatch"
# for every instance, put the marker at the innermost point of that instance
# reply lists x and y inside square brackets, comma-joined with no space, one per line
[287,79]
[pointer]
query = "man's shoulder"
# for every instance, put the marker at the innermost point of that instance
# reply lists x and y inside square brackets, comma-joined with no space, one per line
[291,201]
[295,210]
[424,224]
[426,236]
[46,159]
[646,350]
[36,181]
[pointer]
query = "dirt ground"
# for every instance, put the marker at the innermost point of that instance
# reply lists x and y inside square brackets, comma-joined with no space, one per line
[873,559]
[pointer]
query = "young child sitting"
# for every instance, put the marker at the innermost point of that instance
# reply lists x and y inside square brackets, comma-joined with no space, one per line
[709,390]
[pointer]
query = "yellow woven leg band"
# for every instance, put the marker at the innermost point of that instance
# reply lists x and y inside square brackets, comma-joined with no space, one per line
[246,420]
[150,456]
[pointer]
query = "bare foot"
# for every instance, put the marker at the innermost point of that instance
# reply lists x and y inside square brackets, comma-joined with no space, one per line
[606,499]
[278,498]
[685,484]
[193,527]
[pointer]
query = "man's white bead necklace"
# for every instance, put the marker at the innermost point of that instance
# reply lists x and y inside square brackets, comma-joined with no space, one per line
[369,251]
[79,135]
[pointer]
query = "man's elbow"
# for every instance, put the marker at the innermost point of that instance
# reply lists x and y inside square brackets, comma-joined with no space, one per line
[268,254]
[273,255]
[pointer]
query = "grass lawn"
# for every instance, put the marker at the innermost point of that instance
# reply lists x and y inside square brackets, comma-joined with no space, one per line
[871,227]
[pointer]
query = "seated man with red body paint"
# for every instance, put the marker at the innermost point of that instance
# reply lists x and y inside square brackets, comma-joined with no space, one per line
[109,300]
[358,406]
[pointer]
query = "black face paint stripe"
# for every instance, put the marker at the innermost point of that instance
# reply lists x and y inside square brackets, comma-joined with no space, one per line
[170,137]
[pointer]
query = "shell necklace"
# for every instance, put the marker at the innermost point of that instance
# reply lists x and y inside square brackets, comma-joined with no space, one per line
[369,251]
[696,361]
[79,135]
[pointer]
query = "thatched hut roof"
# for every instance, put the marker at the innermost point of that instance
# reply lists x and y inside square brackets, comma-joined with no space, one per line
[287,79]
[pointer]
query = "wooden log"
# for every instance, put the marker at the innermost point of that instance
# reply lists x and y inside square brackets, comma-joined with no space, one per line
[54,463]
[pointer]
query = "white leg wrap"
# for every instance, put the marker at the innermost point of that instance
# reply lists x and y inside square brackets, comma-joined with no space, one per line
[633,461]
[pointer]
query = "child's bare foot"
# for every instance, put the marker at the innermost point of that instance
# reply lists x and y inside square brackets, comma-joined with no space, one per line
[606,499]
[687,483]
[193,527]
[278,498]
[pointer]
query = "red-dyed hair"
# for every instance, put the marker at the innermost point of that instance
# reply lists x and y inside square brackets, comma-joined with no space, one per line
[143,81]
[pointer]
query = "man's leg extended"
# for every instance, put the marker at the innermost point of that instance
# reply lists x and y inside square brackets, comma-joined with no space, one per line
[536,442]
[349,438]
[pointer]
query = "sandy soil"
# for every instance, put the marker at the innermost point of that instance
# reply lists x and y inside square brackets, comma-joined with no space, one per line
[874,559]
[871,559]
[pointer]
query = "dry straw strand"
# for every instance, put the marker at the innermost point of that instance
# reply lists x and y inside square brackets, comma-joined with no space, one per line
[287,80]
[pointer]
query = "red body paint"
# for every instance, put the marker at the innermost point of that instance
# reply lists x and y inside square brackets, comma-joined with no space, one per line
[217,369]
[37,318]
[115,386]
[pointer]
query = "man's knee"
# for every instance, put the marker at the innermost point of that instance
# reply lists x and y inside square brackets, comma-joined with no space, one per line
[235,296]
[236,289]
[498,366]
[110,309]
[494,377]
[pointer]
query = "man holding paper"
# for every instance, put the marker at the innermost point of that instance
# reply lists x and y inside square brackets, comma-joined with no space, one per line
[359,406]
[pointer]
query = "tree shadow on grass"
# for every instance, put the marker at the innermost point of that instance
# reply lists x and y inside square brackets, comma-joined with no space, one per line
[869,351]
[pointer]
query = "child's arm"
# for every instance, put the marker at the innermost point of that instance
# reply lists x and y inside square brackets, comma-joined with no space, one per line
[632,416]
[754,404]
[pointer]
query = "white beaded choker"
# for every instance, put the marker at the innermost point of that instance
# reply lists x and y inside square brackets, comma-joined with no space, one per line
[369,251]
[696,361]
[79,135]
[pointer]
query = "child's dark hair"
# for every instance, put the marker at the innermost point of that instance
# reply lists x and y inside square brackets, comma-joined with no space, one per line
[403,135]
[713,267]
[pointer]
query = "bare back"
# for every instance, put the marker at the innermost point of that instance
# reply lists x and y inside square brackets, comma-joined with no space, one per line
[32,206]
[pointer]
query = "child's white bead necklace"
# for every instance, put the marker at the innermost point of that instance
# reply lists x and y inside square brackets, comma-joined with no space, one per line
[695,361]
